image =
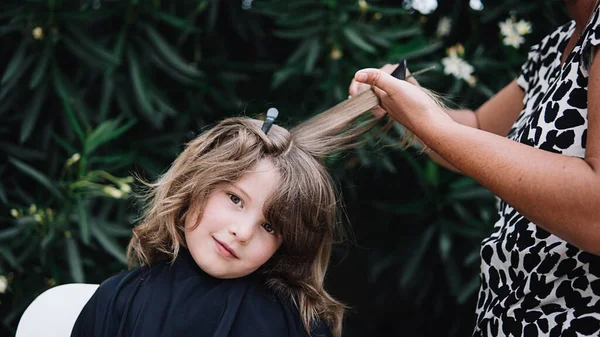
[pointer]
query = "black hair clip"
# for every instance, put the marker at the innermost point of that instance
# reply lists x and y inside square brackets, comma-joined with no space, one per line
[400,71]
[269,120]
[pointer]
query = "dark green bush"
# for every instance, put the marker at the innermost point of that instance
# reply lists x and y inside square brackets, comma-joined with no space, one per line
[92,92]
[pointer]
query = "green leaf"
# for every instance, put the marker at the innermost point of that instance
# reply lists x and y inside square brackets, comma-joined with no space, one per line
[432,173]
[468,290]
[299,52]
[415,259]
[90,47]
[10,13]
[3,195]
[10,258]
[477,192]
[170,55]
[73,257]
[15,62]
[109,244]
[306,18]
[63,92]
[415,49]
[31,113]
[445,242]
[21,152]
[7,87]
[40,68]
[37,176]
[64,144]
[313,55]
[83,221]
[408,208]
[140,89]
[104,133]
[48,238]
[150,52]
[115,230]
[357,40]
[85,55]
[115,161]
[10,232]
[108,87]
[174,21]
[281,75]
[299,33]
[399,32]
[89,16]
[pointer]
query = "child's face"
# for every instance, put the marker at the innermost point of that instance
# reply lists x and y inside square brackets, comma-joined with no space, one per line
[232,238]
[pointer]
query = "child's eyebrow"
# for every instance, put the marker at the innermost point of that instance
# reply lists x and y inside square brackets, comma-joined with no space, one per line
[245,194]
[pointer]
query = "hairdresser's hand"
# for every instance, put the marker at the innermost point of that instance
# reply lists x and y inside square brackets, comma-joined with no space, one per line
[405,102]
[357,87]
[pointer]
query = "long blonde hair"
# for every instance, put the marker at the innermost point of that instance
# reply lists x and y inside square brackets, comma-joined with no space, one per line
[304,209]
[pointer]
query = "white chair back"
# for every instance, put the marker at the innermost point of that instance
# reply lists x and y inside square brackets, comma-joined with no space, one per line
[54,312]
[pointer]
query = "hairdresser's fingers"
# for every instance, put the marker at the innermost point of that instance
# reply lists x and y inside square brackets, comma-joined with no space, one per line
[406,103]
[357,87]
[379,79]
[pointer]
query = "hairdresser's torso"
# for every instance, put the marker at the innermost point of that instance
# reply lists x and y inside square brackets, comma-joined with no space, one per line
[534,283]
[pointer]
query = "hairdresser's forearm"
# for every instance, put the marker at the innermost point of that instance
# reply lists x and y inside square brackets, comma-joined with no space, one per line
[464,117]
[559,193]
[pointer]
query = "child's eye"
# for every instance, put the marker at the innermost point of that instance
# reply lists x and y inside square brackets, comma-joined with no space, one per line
[268,228]
[235,199]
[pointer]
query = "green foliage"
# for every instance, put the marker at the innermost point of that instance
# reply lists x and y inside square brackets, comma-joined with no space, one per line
[92,93]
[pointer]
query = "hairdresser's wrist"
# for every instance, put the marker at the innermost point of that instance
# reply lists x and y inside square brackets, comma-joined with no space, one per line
[426,124]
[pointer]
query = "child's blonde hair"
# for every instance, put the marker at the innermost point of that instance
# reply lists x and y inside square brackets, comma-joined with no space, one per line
[304,208]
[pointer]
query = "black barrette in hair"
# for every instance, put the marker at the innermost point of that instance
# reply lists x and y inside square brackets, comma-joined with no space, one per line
[269,120]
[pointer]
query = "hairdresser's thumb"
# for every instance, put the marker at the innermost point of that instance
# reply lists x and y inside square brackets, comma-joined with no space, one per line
[378,79]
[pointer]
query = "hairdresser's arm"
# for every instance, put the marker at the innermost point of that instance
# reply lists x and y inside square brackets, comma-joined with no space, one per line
[497,116]
[559,193]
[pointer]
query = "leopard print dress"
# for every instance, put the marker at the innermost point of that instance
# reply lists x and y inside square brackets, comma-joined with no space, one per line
[532,282]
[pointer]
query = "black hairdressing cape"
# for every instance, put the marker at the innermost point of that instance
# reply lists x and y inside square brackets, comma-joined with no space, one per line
[181,300]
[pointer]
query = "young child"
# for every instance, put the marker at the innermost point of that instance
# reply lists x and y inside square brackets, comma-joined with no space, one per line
[236,236]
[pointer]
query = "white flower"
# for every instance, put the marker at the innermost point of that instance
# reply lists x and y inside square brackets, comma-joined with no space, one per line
[513,31]
[424,6]
[523,27]
[465,70]
[514,40]
[452,65]
[3,284]
[459,68]
[444,26]
[507,27]
[476,5]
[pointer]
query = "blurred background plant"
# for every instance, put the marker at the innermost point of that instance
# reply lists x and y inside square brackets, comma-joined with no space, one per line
[94,92]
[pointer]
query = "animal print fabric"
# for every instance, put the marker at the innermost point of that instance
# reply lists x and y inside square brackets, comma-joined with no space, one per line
[532,282]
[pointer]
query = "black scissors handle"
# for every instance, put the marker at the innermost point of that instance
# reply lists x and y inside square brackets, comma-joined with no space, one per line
[400,71]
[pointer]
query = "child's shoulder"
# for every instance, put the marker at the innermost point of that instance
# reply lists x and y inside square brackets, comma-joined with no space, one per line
[272,314]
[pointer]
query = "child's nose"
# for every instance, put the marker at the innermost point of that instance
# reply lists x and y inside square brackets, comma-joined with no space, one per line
[243,232]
